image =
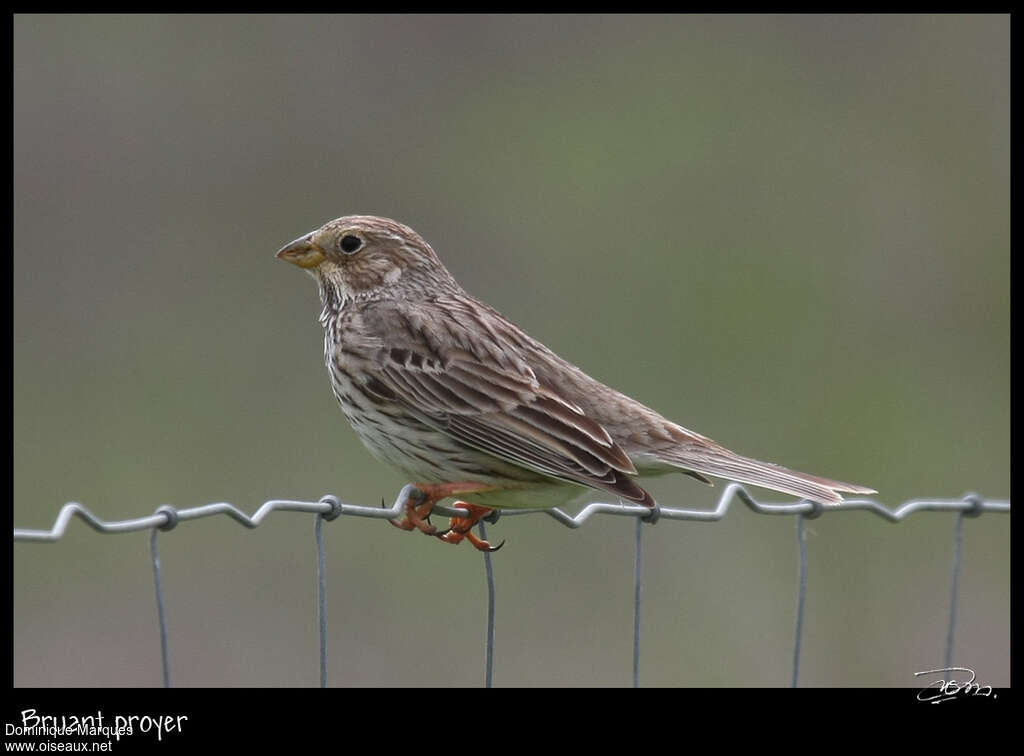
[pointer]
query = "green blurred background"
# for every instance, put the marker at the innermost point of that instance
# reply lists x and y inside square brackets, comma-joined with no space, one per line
[788,233]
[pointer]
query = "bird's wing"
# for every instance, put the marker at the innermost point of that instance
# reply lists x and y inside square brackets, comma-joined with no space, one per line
[478,387]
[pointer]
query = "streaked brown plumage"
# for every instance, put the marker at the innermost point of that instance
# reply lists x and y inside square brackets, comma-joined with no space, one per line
[446,389]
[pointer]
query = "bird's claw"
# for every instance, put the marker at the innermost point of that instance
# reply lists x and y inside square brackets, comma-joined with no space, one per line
[462,527]
[492,549]
[454,537]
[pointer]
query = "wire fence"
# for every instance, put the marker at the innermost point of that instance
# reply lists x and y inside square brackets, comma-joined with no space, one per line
[329,507]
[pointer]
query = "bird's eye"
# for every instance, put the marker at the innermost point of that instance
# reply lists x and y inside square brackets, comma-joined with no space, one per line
[350,244]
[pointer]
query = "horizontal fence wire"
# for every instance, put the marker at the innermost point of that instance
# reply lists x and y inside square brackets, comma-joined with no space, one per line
[167,517]
[329,507]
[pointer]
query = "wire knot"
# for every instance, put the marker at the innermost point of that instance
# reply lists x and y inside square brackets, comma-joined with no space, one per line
[171,515]
[493,517]
[654,515]
[335,507]
[816,509]
[976,503]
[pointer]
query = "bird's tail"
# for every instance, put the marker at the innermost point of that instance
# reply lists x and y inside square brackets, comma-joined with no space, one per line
[702,455]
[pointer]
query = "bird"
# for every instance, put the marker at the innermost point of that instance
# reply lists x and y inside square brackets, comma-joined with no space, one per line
[470,407]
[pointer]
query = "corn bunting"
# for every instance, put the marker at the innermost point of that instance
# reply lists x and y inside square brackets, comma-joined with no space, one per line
[469,406]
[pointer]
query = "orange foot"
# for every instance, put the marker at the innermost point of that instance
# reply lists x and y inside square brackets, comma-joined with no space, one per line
[462,527]
[425,496]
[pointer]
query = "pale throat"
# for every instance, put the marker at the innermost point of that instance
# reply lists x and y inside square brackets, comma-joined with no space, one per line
[335,292]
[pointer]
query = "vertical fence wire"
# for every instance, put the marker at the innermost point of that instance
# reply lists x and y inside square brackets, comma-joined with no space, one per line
[638,576]
[489,643]
[801,595]
[958,544]
[165,656]
[321,595]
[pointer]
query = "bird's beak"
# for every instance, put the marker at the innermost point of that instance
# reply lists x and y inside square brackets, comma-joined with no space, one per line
[303,252]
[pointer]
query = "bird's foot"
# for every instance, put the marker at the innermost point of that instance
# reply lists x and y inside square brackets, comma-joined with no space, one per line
[417,516]
[462,527]
[425,496]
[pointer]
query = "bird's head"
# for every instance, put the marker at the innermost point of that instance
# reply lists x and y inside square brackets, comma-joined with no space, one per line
[366,257]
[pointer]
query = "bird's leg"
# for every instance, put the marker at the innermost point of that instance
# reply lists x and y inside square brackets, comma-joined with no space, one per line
[462,527]
[425,496]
